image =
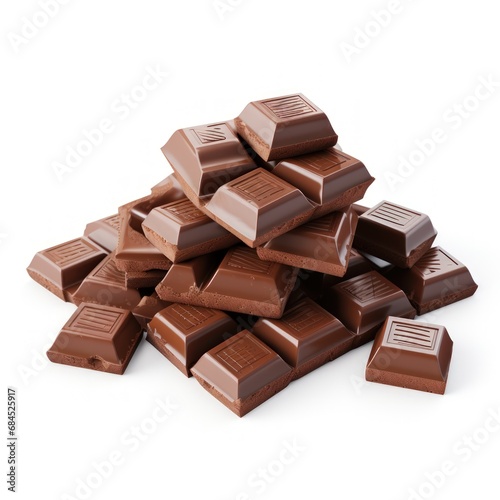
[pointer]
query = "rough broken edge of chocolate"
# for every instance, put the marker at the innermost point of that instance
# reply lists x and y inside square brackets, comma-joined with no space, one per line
[95,362]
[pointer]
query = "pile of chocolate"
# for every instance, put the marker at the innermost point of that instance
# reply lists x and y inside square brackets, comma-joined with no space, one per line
[252,265]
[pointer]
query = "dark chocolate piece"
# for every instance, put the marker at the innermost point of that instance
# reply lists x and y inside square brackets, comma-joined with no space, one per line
[134,252]
[242,372]
[62,268]
[104,232]
[97,337]
[306,337]
[394,233]
[207,156]
[181,231]
[183,333]
[105,285]
[321,245]
[285,126]
[240,282]
[148,306]
[411,354]
[363,303]
[436,280]
[330,179]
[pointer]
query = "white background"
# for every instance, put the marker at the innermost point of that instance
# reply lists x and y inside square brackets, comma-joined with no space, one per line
[355,439]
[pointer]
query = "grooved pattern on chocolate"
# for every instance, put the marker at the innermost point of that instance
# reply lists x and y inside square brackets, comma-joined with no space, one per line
[93,320]
[259,186]
[434,261]
[286,107]
[367,287]
[247,259]
[241,353]
[70,252]
[409,333]
[394,214]
[184,210]
[210,133]
[188,317]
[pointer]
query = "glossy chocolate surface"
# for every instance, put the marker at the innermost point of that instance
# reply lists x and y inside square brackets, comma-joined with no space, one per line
[306,336]
[105,285]
[411,354]
[236,280]
[63,267]
[134,252]
[322,245]
[104,232]
[363,303]
[181,231]
[242,372]
[97,337]
[437,279]
[207,156]
[183,333]
[325,177]
[285,126]
[394,233]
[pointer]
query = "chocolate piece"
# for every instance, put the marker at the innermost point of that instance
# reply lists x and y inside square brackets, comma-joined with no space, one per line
[394,233]
[240,282]
[104,232]
[181,231]
[315,284]
[183,333]
[436,280]
[321,245]
[105,285]
[134,252]
[329,178]
[62,268]
[258,206]
[363,303]
[144,279]
[97,337]
[306,337]
[285,126]
[242,372]
[411,354]
[207,156]
[148,306]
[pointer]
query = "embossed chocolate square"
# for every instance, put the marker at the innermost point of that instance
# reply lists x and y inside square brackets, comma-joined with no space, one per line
[97,337]
[411,354]
[105,285]
[330,178]
[206,157]
[306,336]
[364,302]
[60,269]
[104,232]
[181,231]
[394,233]
[260,205]
[183,333]
[242,372]
[236,280]
[436,280]
[285,126]
[322,245]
